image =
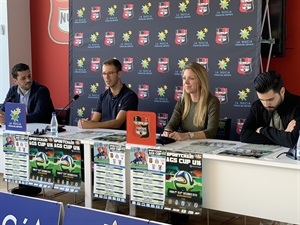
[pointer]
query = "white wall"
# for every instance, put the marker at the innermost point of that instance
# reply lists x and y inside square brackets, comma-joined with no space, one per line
[15,43]
[4,61]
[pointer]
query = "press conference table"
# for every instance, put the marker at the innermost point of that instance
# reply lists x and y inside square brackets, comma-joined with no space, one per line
[267,187]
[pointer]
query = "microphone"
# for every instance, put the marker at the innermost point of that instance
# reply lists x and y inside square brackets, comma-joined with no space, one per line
[60,127]
[75,97]
[9,99]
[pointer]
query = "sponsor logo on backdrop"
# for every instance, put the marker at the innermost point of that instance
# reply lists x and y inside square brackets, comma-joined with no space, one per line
[111,11]
[163,65]
[203,7]
[161,92]
[204,62]
[128,12]
[143,91]
[95,13]
[78,39]
[80,16]
[109,39]
[239,124]
[181,63]
[93,40]
[246,6]
[80,111]
[144,37]
[242,99]
[224,9]
[80,66]
[93,89]
[178,93]
[181,37]
[58,26]
[244,37]
[163,9]
[200,41]
[162,42]
[222,35]
[221,94]
[95,64]
[126,40]
[183,10]
[162,119]
[145,64]
[127,64]
[222,66]
[244,65]
[146,16]
[78,88]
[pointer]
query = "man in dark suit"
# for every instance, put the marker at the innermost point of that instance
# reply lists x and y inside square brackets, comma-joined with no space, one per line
[39,107]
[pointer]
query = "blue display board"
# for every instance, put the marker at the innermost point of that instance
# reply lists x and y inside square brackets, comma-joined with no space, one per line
[17,210]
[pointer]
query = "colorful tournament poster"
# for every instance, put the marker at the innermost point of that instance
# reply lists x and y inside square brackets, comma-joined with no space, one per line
[109,170]
[67,165]
[184,182]
[15,147]
[41,161]
[147,177]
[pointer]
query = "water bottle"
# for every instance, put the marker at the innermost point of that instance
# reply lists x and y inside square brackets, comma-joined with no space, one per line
[54,125]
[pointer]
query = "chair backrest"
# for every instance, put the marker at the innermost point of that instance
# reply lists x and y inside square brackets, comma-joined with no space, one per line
[224,129]
[63,115]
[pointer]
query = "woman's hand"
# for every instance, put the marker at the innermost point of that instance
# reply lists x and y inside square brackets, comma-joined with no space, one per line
[179,136]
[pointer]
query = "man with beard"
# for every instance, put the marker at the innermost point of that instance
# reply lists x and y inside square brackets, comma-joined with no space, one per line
[112,107]
[39,108]
[113,103]
[275,117]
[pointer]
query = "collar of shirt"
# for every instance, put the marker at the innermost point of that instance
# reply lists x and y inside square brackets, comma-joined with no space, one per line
[24,98]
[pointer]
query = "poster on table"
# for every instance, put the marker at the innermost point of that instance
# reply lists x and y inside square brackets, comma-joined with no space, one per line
[67,165]
[183,182]
[109,167]
[41,161]
[81,215]
[15,147]
[15,117]
[147,177]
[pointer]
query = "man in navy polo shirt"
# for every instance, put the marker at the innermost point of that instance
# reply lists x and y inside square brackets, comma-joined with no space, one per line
[113,103]
[112,107]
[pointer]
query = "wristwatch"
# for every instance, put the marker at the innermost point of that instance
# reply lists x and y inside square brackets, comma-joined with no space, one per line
[191,135]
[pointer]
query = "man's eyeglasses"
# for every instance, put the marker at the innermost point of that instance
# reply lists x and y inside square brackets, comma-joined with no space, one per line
[109,73]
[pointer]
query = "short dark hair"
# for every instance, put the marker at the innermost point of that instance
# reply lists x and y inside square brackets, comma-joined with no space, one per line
[18,68]
[267,81]
[114,62]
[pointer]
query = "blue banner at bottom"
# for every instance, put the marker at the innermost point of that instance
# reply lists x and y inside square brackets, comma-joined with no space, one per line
[20,210]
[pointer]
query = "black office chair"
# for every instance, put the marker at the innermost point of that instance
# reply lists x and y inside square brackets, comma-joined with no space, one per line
[63,116]
[224,129]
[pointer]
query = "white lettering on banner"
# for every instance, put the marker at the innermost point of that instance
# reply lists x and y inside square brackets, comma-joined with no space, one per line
[12,218]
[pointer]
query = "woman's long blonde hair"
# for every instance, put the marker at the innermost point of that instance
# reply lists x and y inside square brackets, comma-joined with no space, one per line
[202,91]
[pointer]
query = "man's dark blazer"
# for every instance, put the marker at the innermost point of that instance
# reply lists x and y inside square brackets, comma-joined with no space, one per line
[39,107]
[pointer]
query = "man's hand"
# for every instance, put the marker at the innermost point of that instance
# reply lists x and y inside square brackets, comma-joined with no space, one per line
[2,117]
[291,126]
[258,130]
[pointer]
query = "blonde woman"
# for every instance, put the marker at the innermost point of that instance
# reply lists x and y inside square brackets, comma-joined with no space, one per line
[196,115]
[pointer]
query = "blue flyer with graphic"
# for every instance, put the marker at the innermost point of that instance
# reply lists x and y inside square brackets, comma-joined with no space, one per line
[15,116]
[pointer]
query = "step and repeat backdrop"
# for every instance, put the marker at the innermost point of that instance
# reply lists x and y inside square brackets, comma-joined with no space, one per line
[154,40]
